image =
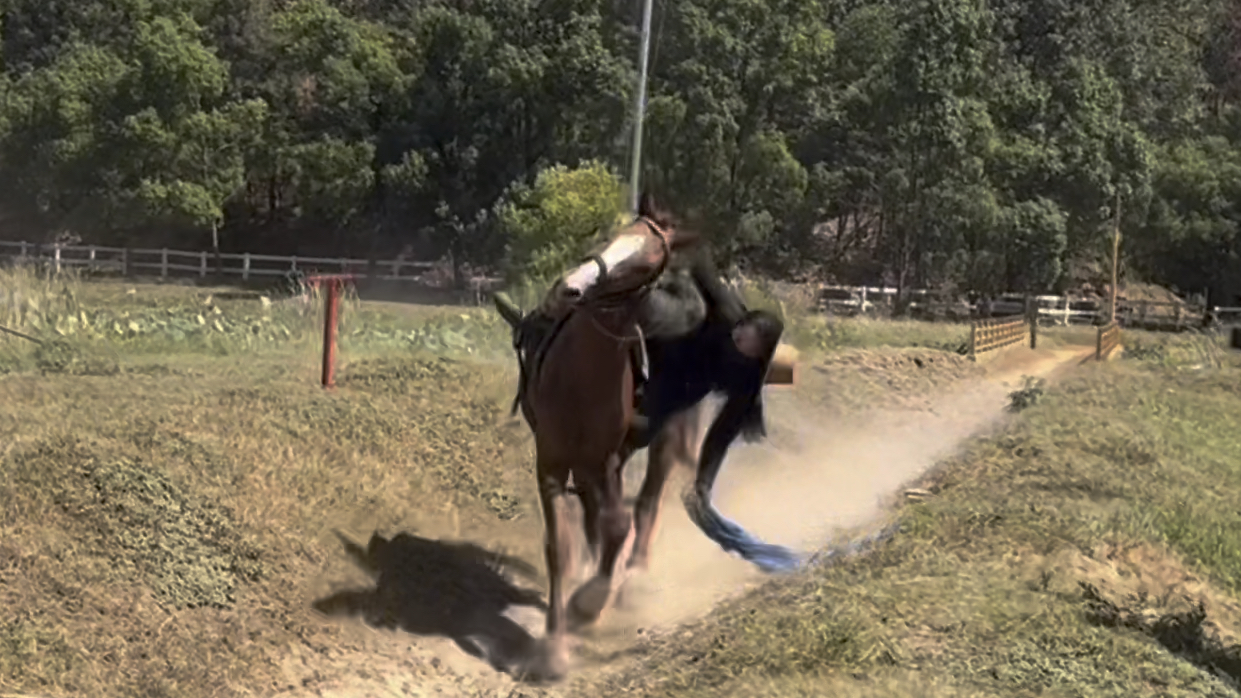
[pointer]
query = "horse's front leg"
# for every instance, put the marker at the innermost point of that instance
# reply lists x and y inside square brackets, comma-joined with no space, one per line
[552,660]
[615,523]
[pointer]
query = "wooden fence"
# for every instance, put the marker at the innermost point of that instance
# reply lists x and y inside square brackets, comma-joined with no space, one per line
[166,262]
[996,333]
[1107,340]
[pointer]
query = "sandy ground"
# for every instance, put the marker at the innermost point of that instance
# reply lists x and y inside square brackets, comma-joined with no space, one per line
[810,479]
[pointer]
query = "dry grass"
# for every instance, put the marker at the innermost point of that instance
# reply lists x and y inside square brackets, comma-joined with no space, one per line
[166,522]
[179,510]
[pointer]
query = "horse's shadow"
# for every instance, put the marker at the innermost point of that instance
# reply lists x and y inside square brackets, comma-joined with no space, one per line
[455,590]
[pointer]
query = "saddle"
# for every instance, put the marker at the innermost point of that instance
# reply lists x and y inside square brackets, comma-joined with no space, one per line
[533,332]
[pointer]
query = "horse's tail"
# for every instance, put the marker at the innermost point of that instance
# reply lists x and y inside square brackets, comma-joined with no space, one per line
[697,499]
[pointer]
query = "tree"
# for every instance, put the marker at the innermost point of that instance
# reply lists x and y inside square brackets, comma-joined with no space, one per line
[136,134]
[551,224]
[508,89]
[735,83]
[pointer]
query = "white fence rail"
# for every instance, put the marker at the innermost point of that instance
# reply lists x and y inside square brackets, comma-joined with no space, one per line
[183,263]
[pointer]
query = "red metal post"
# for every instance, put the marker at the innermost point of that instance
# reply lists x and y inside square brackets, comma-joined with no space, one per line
[330,311]
[331,314]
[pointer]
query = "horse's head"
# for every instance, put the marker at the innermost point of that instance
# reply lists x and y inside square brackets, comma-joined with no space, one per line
[632,259]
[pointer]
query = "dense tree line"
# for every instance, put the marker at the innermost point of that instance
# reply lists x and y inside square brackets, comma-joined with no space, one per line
[980,144]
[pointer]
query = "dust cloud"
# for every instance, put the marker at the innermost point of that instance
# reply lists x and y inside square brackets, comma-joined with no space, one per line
[811,478]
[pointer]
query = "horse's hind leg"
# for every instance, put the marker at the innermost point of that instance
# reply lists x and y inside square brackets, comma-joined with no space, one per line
[552,662]
[589,497]
[675,443]
[615,524]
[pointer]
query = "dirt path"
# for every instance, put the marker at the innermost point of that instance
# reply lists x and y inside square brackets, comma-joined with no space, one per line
[810,479]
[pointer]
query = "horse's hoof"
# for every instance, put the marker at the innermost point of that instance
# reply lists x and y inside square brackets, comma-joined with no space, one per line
[549,663]
[637,590]
[588,602]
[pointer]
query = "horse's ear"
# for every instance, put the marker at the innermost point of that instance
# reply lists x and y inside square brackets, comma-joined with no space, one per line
[650,208]
[646,205]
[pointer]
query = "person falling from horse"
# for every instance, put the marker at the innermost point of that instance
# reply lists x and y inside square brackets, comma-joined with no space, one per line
[574,364]
[700,339]
[693,326]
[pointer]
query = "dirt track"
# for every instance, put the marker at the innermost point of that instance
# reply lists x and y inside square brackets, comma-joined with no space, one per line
[810,479]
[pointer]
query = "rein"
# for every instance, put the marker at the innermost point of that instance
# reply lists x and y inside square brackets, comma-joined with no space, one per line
[620,299]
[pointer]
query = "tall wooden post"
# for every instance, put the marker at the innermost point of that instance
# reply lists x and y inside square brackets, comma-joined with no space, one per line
[639,107]
[1115,259]
[330,312]
[1032,320]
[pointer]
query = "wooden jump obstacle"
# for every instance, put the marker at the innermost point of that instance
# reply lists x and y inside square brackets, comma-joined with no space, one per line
[997,333]
[1106,341]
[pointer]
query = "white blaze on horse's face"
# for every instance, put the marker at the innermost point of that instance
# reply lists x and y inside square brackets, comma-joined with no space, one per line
[622,251]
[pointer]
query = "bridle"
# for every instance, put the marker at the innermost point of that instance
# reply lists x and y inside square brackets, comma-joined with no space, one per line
[624,299]
[619,299]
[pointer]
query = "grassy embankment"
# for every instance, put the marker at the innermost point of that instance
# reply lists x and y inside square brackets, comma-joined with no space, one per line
[1066,555]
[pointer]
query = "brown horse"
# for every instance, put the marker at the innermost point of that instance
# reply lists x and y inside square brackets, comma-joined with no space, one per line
[578,399]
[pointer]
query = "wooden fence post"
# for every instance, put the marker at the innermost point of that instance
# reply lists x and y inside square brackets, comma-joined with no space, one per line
[973,340]
[56,257]
[24,255]
[163,263]
[1032,319]
[1098,345]
[331,309]
[125,261]
[91,266]
[202,264]
[245,267]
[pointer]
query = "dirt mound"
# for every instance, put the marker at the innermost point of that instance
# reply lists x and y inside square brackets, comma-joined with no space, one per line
[861,379]
[1148,292]
[186,549]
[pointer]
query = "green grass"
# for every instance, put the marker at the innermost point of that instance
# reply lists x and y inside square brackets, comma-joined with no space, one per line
[1127,472]
[85,324]
[819,333]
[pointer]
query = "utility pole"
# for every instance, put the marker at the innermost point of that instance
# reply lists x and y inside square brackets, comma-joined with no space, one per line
[1115,257]
[639,107]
